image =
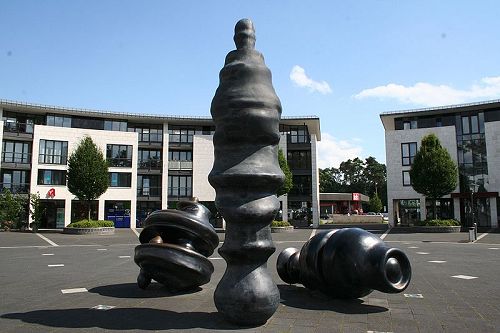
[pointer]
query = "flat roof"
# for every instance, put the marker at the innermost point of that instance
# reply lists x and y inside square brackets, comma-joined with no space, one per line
[312,121]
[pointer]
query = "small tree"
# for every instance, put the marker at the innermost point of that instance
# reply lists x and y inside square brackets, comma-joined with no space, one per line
[12,207]
[375,203]
[87,174]
[288,182]
[433,172]
[36,211]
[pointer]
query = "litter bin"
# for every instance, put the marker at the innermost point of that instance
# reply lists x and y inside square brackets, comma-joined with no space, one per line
[472,234]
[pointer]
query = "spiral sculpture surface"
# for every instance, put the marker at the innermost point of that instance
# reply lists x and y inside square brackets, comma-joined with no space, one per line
[346,263]
[175,244]
[246,176]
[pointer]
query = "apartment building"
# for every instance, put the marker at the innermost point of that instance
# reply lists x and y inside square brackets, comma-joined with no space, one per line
[154,161]
[471,134]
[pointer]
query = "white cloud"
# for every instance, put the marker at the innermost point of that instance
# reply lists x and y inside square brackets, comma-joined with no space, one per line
[432,95]
[332,151]
[299,77]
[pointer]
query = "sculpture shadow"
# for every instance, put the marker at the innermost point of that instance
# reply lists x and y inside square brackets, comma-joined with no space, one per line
[131,290]
[302,298]
[143,319]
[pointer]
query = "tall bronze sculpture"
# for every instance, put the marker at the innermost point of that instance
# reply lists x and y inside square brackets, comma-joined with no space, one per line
[346,263]
[246,176]
[175,244]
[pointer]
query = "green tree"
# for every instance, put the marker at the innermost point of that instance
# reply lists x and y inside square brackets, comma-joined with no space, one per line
[12,208]
[375,203]
[330,180]
[375,175]
[87,174]
[433,172]
[352,174]
[36,210]
[288,182]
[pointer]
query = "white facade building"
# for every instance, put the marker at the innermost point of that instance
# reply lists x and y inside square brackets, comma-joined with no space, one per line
[155,161]
[470,133]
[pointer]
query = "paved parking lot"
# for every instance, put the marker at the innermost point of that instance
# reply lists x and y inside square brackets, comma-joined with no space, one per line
[51,282]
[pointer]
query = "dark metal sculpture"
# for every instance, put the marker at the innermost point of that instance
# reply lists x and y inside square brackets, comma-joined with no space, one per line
[175,244]
[346,263]
[246,176]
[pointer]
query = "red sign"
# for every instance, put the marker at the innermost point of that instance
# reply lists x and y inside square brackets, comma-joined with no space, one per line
[356,197]
[51,193]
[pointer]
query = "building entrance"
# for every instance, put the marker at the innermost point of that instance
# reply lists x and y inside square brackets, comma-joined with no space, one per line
[118,212]
[53,214]
[407,211]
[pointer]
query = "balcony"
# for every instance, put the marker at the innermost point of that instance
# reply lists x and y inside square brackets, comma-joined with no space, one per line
[16,188]
[150,191]
[150,164]
[14,160]
[16,129]
[180,165]
[120,162]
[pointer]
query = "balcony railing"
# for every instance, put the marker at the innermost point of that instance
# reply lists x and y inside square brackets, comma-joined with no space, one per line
[19,188]
[15,127]
[151,191]
[13,157]
[150,164]
[180,192]
[120,162]
[180,165]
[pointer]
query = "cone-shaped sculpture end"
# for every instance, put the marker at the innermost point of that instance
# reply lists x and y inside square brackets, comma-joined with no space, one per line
[396,272]
[244,34]
[287,265]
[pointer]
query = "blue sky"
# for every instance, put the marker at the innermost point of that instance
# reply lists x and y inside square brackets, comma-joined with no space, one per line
[344,61]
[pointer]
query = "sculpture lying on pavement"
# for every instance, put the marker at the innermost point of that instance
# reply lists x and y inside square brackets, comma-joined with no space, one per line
[246,176]
[175,244]
[346,263]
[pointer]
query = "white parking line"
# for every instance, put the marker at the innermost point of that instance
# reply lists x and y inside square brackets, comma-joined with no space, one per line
[481,236]
[384,235]
[123,257]
[135,231]
[56,265]
[46,239]
[216,258]
[493,248]
[313,233]
[437,261]
[102,307]
[464,277]
[102,249]
[422,252]
[413,247]
[47,254]
[74,290]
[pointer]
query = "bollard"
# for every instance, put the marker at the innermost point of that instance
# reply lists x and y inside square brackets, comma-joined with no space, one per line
[472,235]
[475,230]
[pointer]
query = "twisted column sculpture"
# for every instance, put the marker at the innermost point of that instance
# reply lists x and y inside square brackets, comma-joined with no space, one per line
[346,263]
[246,176]
[175,244]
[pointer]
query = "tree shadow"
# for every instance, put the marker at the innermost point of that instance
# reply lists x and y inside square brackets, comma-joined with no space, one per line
[131,290]
[302,298]
[124,319]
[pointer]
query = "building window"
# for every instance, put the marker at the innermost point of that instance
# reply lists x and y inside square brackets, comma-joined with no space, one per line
[16,181]
[115,125]
[473,124]
[408,152]
[16,152]
[180,155]
[299,159]
[51,177]
[302,185]
[296,134]
[148,186]
[147,133]
[59,121]
[53,152]
[149,159]
[406,178]
[120,179]
[181,134]
[119,155]
[180,186]
[409,124]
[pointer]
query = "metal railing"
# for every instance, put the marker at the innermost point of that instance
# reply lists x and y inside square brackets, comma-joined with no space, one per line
[13,157]
[151,191]
[150,164]
[180,165]
[16,188]
[16,127]
[120,162]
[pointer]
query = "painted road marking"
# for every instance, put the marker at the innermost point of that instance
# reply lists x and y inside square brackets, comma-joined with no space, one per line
[313,233]
[414,295]
[413,247]
[56,265]
[46,239]
[74,290]
[102,249]
[216,258]
[384,235]
[122,257]
[464,277]
[135,231]
[493,248]
[47,254]
[481,236]
[422,252]
[102,307]
[437,261]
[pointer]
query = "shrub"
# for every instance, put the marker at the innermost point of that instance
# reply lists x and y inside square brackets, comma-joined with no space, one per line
[439,223]
[280,224]
[91,224]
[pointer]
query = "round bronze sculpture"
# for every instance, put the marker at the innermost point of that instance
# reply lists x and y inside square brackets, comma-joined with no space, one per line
[246,176]
[175,244]
[346,263]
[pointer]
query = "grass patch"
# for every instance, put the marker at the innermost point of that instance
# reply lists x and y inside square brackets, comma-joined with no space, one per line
[91,224]
[280,224]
